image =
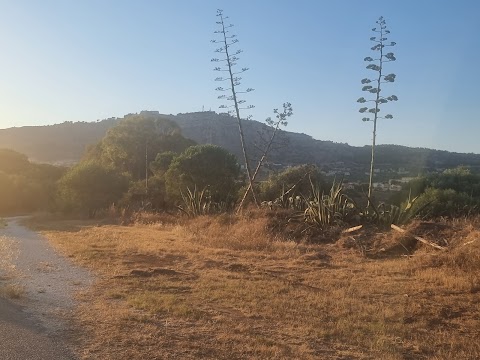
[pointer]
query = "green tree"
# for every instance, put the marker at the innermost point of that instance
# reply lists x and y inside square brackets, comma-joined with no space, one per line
[13,162]
[135,142]
[376,64]
[155,198]
[162,162]
[90,186]
[26,187]
[201,166]
[10,188]
[296,178]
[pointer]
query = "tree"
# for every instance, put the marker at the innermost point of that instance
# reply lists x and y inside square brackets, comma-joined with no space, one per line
[281,120]
[162,162]
[203,166]
[135,142]
[25,186]
[376,64]
[137,147]
[90,186]
[153,195]
[297,179]
[227,64]
[154,199]
[13,162]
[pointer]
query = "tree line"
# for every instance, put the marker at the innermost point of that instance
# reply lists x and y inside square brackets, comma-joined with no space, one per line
[145,163]
[24,186]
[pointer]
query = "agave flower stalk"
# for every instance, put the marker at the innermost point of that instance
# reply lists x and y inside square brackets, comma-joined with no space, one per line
[376,64]
[227,64]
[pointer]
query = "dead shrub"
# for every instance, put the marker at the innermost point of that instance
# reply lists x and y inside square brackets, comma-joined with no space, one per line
[12,291]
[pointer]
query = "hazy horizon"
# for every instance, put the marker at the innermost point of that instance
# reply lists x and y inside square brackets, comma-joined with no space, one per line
[339,142]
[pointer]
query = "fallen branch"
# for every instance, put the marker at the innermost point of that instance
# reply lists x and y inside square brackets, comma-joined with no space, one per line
[352,229]
[418,238]
[469,242]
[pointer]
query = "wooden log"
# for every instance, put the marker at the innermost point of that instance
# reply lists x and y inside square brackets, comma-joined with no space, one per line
[418,238]
[352,229]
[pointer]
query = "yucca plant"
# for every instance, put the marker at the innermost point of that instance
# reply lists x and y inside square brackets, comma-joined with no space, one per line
[196,202]
[325,210]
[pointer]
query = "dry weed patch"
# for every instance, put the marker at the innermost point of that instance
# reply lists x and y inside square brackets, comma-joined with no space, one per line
[226,288]
[12,291]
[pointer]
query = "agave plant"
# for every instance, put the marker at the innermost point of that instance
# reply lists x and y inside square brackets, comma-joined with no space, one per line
[325,210]
[386,215]
[196,202]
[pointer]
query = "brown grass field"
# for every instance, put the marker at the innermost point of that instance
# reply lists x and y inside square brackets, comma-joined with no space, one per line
[228,288]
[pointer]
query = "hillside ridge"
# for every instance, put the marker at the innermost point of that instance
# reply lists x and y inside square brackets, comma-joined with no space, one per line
[65,143]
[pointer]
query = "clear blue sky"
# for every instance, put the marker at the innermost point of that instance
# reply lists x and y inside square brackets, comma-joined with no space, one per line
[69,60]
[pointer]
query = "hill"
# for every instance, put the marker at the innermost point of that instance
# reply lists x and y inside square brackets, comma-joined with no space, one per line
[62,143]
[65,143]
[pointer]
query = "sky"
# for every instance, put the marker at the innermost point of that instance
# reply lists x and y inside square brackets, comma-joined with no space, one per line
[66,60]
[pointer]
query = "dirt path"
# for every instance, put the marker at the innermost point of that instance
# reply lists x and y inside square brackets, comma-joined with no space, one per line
[49,282]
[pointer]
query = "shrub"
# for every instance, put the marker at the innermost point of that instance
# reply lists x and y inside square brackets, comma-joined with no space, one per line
[296,180]
[201,167]
[445,202]
[90,186]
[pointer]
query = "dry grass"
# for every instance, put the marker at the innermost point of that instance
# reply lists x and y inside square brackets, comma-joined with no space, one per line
[8,288]
[8,253]
[12,291]
[225,288]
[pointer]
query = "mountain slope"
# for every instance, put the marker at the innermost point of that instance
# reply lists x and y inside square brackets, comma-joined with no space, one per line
[66,142]
[60,143]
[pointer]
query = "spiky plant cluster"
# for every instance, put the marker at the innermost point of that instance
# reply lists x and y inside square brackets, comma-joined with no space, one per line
[227,65]
[374,85]
[325,210]
[196,202]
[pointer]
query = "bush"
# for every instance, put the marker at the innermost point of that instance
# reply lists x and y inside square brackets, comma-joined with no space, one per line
[154,198]
[90,186]
[295,178]
[459,179]
[445,202]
